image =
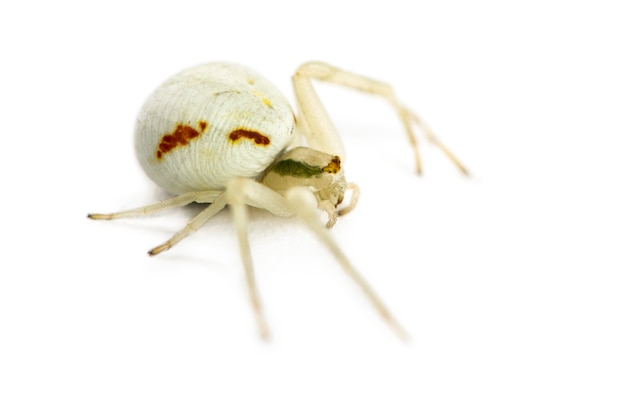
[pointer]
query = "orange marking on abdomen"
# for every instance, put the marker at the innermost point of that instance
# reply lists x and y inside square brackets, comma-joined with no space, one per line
[180,137]
[257,137]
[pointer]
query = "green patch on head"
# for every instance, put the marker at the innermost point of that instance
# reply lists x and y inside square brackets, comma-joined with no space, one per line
[296,169]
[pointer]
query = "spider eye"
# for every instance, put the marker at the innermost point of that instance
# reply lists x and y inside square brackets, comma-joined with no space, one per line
[334,166]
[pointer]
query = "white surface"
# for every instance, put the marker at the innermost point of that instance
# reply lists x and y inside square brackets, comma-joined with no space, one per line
[510,283]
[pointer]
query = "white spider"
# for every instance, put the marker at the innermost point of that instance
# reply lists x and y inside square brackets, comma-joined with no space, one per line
[220,133]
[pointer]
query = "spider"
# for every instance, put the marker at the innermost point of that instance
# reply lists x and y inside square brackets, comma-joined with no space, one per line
[220,133]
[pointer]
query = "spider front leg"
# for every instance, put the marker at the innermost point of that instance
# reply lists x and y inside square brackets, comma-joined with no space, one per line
[300,201]
[318,129]
[304,204]
[240,193]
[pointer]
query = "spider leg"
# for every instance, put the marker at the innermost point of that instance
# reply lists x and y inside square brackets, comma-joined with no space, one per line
[319,129]
[178,201]
[194,224]
[303,203]
[433,139]
[240,193]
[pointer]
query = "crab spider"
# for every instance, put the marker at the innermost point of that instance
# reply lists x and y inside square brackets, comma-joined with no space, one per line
[221,134]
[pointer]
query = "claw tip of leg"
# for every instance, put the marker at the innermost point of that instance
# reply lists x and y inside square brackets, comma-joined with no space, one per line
[98,216]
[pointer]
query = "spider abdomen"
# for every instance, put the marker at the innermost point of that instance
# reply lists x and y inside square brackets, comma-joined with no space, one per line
[210,123]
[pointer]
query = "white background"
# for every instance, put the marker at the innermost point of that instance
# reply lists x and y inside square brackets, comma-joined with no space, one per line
[511,283]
